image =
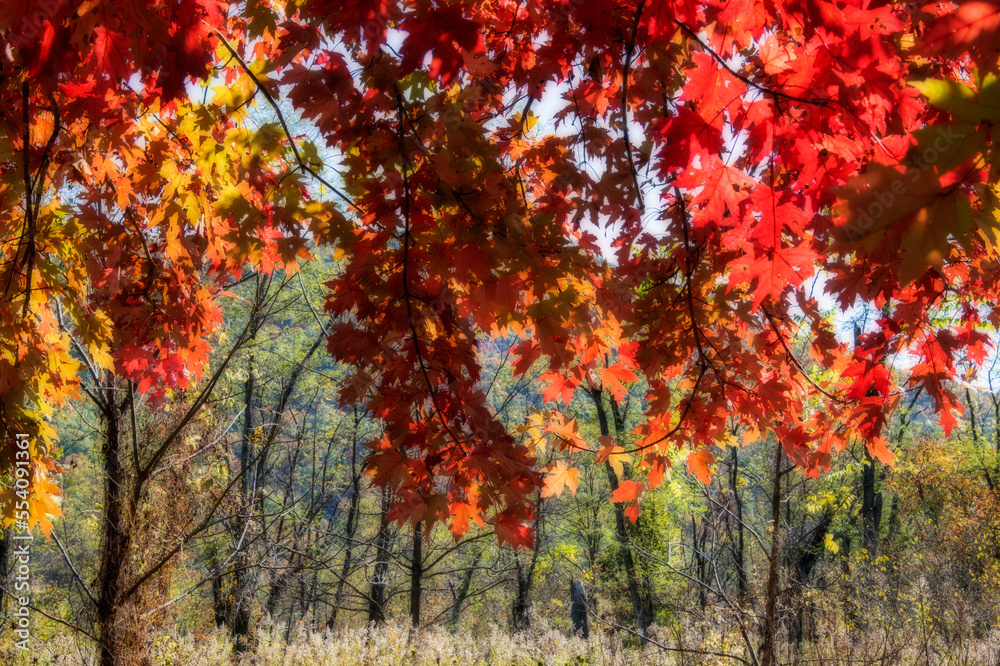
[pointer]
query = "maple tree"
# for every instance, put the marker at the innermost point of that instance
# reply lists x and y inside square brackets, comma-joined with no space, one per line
[738,154]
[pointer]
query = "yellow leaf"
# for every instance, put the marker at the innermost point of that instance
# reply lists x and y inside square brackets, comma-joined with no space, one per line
[614,455]
[99,354]
[560,477]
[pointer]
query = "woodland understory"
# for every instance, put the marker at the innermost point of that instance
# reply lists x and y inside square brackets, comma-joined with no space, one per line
[874,564]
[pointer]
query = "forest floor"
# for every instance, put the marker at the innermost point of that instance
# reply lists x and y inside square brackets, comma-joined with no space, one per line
[397,645]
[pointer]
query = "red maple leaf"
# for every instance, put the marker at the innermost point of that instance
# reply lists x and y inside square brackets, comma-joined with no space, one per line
[713,89]
[447,35]
[111,52]
[774,271]
[513,531]
[972,27]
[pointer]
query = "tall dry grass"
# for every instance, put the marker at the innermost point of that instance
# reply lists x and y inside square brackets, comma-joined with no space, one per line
[397,644]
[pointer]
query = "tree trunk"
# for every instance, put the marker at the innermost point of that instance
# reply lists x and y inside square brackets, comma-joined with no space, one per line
[220,603]
[698,539]
[5,549]
[739,554]
[242,574]
[871,505]
[578,611]
[769,655]
[383,542]
[120,642]
[621,529]
[459,596]
[416,573]
[803,565]
[996,432]
[522,602]
[871,501]
[351,529]
[526,575]
[975,436]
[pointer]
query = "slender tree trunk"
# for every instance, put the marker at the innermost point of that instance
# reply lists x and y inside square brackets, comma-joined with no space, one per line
[383,543]
[578,611]
[459,596]
[769,655]
[526,575]
[416,573]
[975,436]
[522,602]
[996,432]
[802,566]
[871,501]
[242,575]
[5,549]
[621,528]
[119,642]
[996,423]
[345,568]
[351,528]
[871,505]
[220,604]
[278,585]
[739,556]
[698,538]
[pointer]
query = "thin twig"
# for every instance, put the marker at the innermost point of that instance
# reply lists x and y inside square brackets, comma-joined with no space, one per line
[76,573]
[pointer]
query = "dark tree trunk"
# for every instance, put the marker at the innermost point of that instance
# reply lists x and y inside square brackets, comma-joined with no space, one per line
[526,574]
[416,573]
[118,643]
[220,602]
[975,436]
[769,654]
[242,576]
[351,528]
[578,611]
[871,500]
[739,554]
[383,543]
[278,586]
[621,529]
[803,564]
[871,505]
[522,601]
[5,548]
[461,594]
[698,539]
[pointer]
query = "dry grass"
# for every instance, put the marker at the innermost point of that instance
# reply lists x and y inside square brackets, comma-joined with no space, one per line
[396,644]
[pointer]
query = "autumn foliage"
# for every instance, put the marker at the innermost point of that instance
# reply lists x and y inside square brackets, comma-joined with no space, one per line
[749,162]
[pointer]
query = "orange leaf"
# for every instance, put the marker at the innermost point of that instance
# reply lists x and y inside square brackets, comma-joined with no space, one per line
[877,447]
[566,430]
[655,474]
[561,388]
[614,379]
[461,513]
[628,491]
[698,462]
